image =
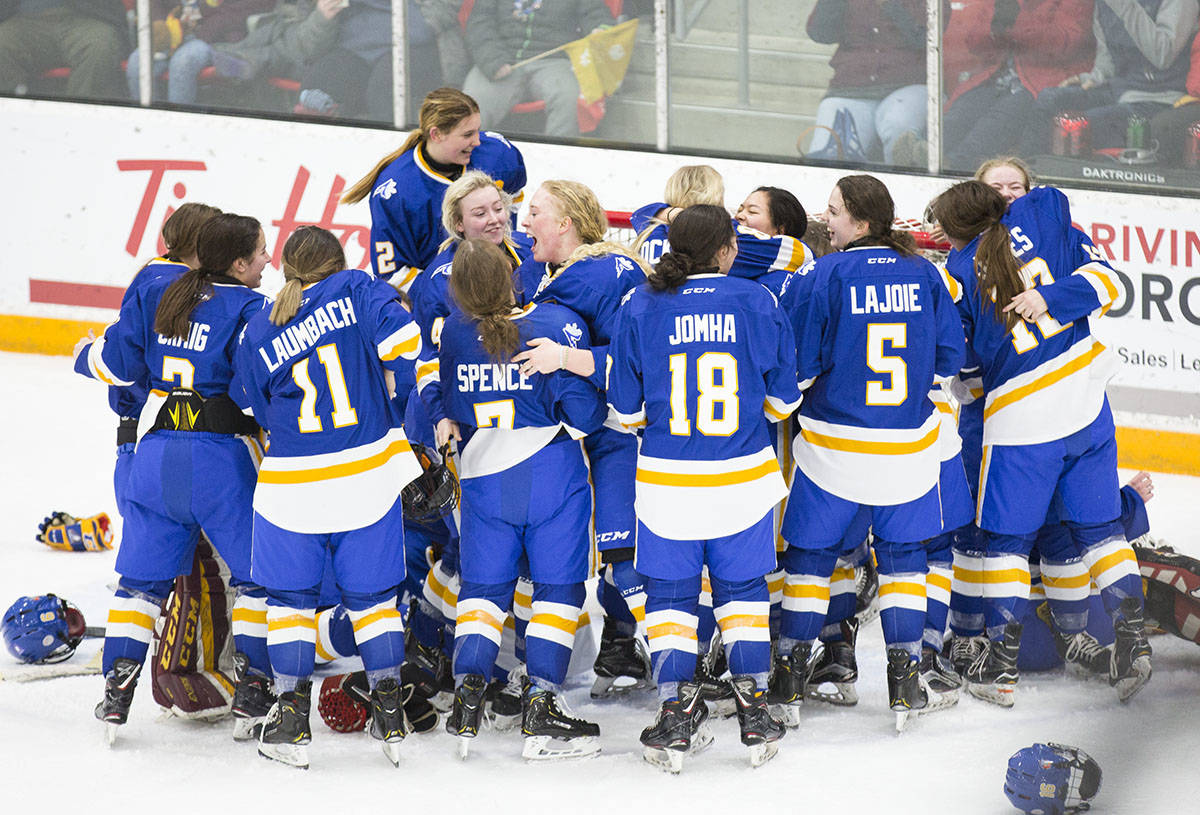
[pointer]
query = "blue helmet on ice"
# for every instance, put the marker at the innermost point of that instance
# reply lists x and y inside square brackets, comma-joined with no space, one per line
[1051,779]
[44,629]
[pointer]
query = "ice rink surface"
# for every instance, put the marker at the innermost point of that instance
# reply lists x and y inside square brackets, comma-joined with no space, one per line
[53,759]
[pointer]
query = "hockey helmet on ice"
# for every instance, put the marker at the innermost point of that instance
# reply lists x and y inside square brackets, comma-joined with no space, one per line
[43,629]
[1051,779]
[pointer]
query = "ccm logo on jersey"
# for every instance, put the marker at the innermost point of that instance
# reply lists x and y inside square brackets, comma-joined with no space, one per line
[605,537]
[893,297]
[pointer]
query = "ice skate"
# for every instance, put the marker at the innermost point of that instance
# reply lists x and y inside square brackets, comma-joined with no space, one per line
[119,686]
[285,731]
[1129,668]
[551,732]
[427,668]
[866,590]
[942,686]
[714,689]
[789,684]
[681,729]
[388,722]
[833,676]
[1080,651]
[993,675]
[466,716]
[965,650]
[906,696]
[621,666]
[252,699]
[504,700]
[760,730]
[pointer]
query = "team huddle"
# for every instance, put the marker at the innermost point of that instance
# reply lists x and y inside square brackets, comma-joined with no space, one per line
[739,415]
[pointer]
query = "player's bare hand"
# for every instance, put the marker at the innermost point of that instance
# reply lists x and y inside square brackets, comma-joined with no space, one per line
[544,356]
[1029,305]
[446,429]
[1143,484]
[935,232]
[84,342]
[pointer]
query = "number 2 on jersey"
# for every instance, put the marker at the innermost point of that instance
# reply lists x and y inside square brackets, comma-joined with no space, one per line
[343,414]
[711,394]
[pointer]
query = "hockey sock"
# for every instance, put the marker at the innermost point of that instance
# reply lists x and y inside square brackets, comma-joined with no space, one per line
[417,544]
[441,592]
[902,594]
[966,586]
[522,613]
[806,592]
[615,608]
[1110,561]
[706,623]
[378,632]
[775,591]
[335,634]
[1005,581]
[842,601]
[742,609]
[550,635]
[482,608]
[291,635]
[938,580]
[425,623]
[250,626]
[671,630]
[135,607]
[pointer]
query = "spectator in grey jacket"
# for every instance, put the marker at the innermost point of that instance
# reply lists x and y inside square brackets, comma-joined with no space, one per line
[87,36]
[501,33]
[282,42]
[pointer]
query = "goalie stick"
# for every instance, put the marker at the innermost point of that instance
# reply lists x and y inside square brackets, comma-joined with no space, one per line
[34,673]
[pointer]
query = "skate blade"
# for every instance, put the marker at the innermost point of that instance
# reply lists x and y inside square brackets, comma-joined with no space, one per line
[842,695]
[464,747]
[246,729]
[761,753]
[548,748]
[110,733]
[391,749]
[606,687]
[1002,695]
[1127,687]
[670,761]
[293,755]
[788,715]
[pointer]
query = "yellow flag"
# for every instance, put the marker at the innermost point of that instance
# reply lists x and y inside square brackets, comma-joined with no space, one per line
[601,58]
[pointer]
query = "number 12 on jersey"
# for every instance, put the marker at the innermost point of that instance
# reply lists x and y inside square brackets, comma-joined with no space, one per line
[717,384]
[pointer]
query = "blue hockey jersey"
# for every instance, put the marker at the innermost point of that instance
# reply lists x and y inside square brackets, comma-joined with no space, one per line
[338,456]
[703,368]
[505,416]
[875,330]
[406,205]
[1046,380]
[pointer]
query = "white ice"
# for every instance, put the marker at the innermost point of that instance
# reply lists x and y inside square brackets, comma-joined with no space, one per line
[52,758]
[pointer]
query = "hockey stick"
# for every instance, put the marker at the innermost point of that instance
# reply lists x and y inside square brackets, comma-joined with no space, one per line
[33,673]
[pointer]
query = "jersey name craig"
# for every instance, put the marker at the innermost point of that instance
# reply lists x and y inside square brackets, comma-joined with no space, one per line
[298,338]
[196,340]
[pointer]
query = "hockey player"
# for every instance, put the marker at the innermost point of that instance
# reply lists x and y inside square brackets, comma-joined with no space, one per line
[702,361]
[525,496]
[178,334]
[875,329]
[574,266]
[1048,435]
[313,374]
[406,186]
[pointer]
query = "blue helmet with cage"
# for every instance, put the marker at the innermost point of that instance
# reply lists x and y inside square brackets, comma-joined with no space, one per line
[1051,779]
[42,629]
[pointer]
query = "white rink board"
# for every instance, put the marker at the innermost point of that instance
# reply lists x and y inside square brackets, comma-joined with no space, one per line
[88,187]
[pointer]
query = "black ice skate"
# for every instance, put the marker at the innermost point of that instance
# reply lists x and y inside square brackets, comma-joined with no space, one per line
[622,664]
[551,732]
[252,699]
[866,591]
[714,689]
[1079,650]
[428,670]
[789,684]
[466,715]
[833,675]
[504,699]
[905,694]
[388,722]
[993,675]
[680,729]
[760,730]
[965,650]
[285,731]
[942,685]
[1129,668]
[119,685]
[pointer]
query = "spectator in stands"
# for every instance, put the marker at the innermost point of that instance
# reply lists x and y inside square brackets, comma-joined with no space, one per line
[1000,55]
[503,33]
[87,36]
[182,37]
[443,17]
[1140,68]
[296,33]
[1170,128]
[878,72]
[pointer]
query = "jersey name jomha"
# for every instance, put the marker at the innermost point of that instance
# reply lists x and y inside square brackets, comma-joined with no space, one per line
[491,377]
[703,328]
[885,299]
[299,337]
[196,339]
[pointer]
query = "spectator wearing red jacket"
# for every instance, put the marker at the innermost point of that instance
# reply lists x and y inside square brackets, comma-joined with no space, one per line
[999,55]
